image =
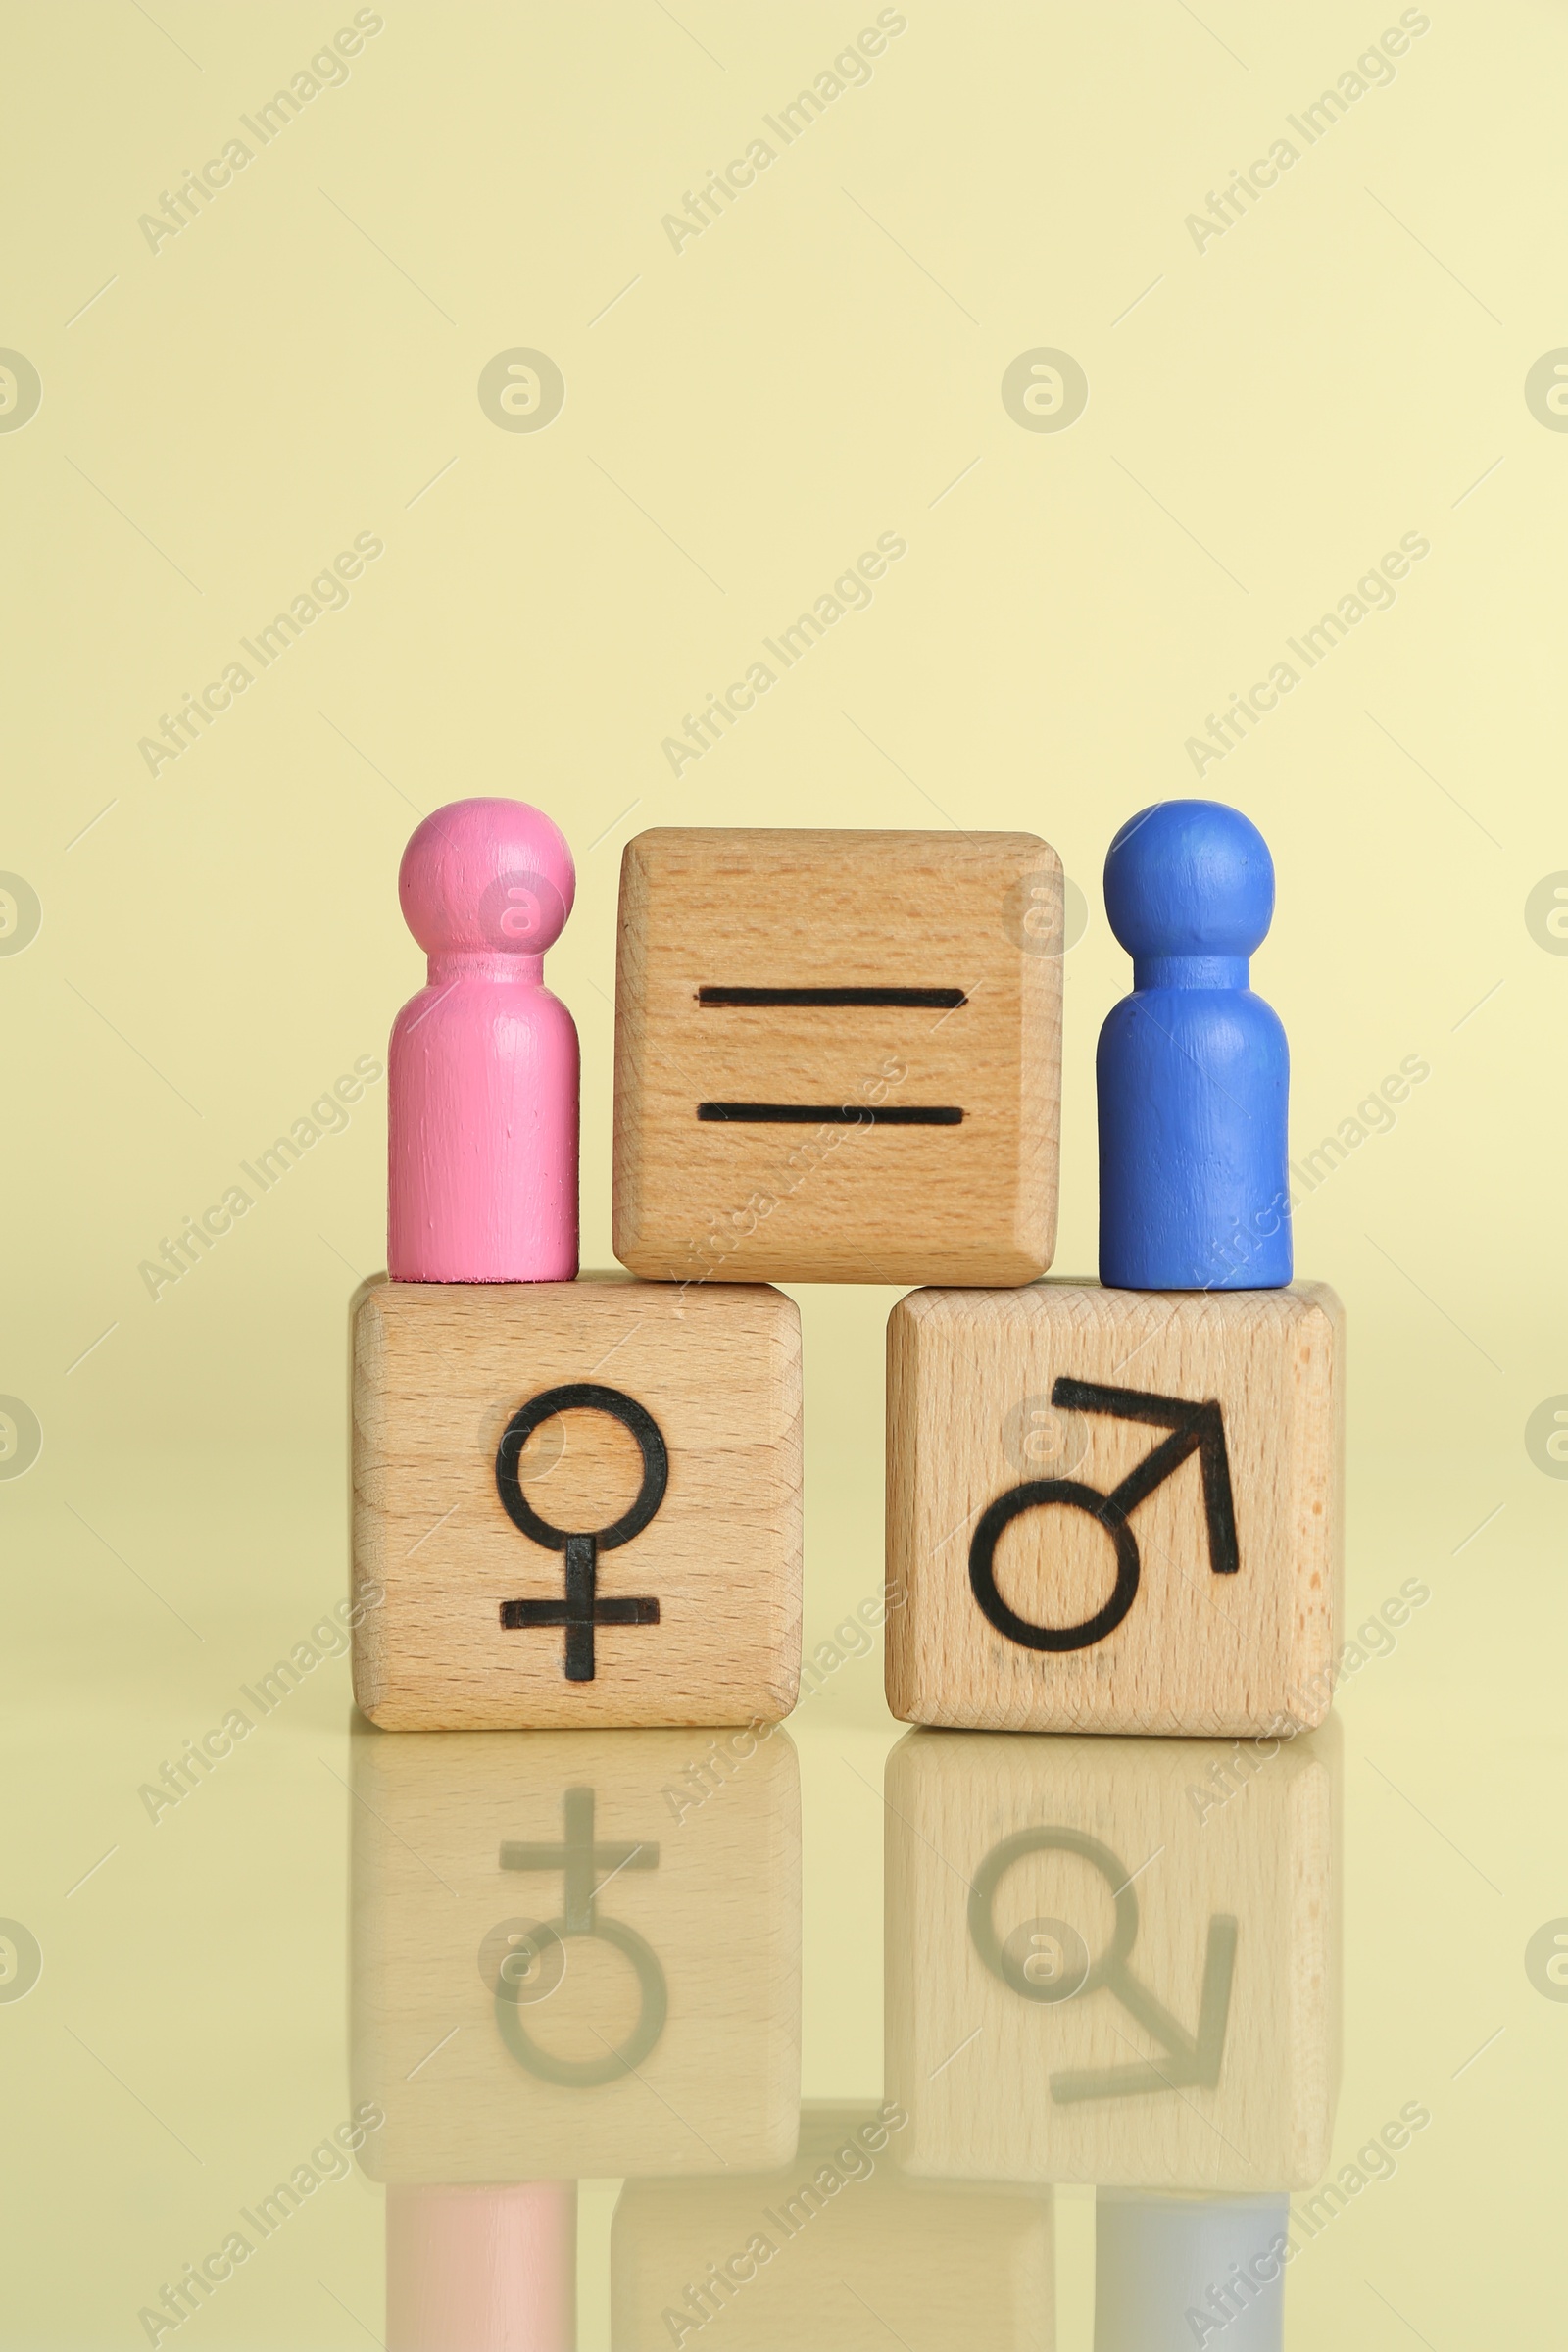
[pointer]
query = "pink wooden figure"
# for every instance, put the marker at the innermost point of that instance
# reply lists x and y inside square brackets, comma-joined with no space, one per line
[482,1067]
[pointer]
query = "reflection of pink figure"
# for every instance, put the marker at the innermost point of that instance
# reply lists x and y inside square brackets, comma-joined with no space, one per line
[482,2270]
[482,1068]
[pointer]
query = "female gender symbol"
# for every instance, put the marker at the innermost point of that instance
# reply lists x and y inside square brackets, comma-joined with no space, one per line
[582,1609]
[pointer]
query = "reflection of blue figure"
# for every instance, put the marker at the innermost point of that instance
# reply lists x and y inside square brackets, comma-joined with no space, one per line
[1193,1068]
[1174,2271]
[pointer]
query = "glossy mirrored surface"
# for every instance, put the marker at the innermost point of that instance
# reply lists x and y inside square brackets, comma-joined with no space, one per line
[837,2035]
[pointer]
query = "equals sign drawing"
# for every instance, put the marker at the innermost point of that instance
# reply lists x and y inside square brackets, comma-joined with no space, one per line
[840,1114]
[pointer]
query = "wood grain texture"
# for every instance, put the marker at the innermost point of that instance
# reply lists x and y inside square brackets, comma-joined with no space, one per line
[875,2261]
[440,1369]
[971,1416]
[1212,1847]
[714,1894]
[862,1197]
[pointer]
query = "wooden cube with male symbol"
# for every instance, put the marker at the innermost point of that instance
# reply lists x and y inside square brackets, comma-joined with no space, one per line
[1113,1510]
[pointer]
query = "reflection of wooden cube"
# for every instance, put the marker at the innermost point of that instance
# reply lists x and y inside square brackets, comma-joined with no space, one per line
[1113,1510]
[838,1056]
[576,1954]
[1113,1960]
[497,1425]
[837,2252]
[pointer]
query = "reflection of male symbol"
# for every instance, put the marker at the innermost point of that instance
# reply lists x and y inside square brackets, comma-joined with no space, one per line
[1186,2058]
[1195,1429]
[582,1609]
[577,1858]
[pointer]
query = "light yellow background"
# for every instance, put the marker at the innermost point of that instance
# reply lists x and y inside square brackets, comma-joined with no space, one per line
[743,416]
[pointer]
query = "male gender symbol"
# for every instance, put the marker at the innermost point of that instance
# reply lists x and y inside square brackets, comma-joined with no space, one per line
[582,1609]
[1195,1429]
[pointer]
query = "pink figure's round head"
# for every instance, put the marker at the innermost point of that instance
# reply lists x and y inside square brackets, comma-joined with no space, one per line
[491,876]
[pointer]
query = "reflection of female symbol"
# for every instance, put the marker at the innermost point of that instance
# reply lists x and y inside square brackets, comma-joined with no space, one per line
[577,1858]
[1195,1429]
[581,1610]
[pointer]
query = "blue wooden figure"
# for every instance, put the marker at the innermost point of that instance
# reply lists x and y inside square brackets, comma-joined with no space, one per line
[1192,1069]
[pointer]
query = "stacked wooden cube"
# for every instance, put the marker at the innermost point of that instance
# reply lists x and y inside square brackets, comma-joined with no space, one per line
[1111,1506]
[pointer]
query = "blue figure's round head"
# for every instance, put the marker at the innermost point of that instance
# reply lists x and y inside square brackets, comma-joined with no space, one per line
[1188,878]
